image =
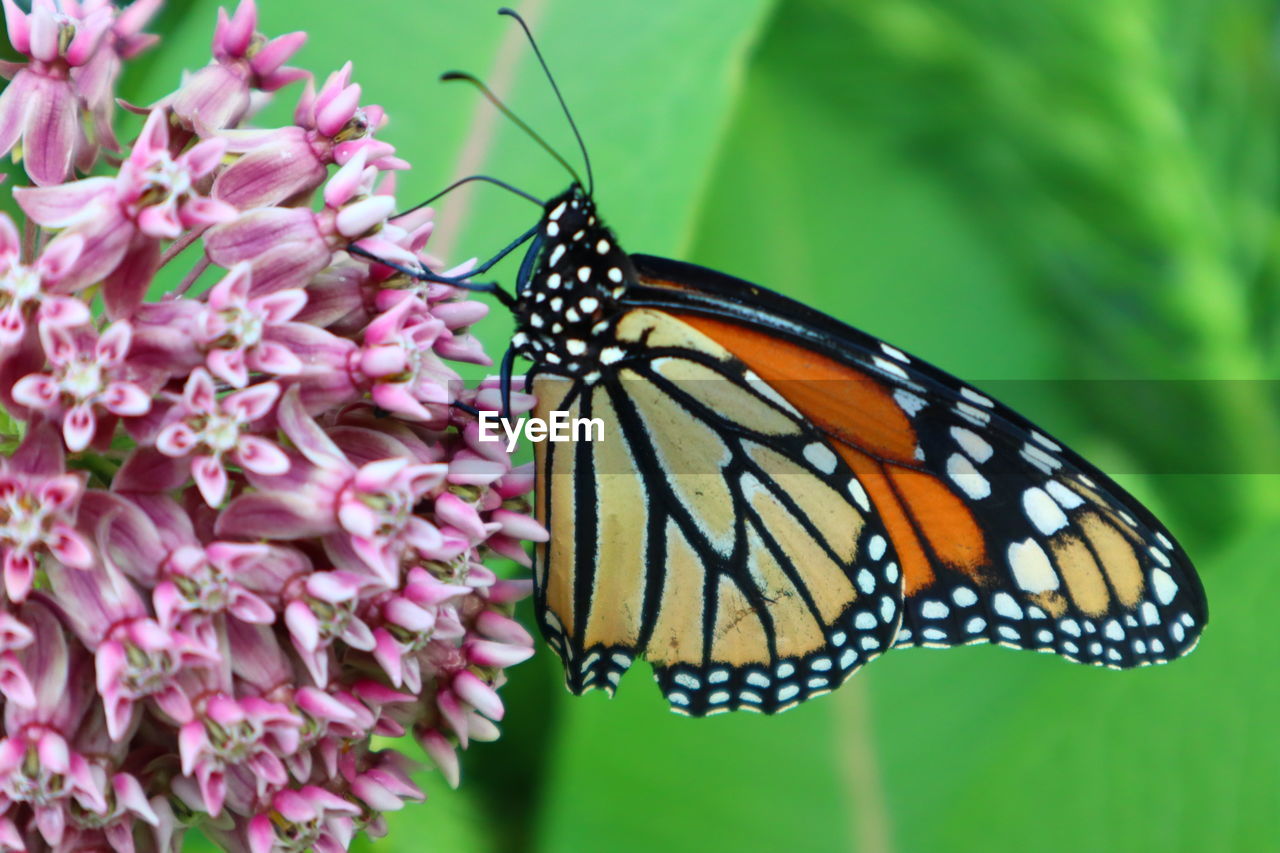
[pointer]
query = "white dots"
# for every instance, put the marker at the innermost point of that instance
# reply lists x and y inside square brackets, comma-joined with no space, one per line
[758,679]
[1088,627]
[972,443]
[1034,612]
[558,211]
[887,609]
[1157,646]
[784,670]
[1113,654]
[1150,615]
[615,275]
[621,660]
[613,677]
[557,304]
[839,638]
[575,346]
[866,582]
[821,457]
[1046,442]
[584,274]
[675,697]
[609,355]
[579,235]
[600,327]
[1164,586]
[1130,622]
[1066,498]
[1071,647]
[864,621]
[888,367]
[974,397]
[934,610]
[859,495]
[1044,636]
[820,664]
[964,597]
[718,676]
[557,253]
[1039,458]
[910,403]
[588,304]
[787,691]
[1009,633]
[869,642]
[964,475]
[935,634]
[876,547]
[976,625]
[719,697]
[1005,606]
[1139,647]
[571,315]
[904,637]
[891,572]
[1044,513]
[1095,648]
[1128,519]
[552,358]
[602,247]
[536,321]
[589,661]
[847,658]
[749,696]
[552,229]
[1164,540]
[519,339]
[977,417]
[685,679]
[895,353]
[1031,567]
[1159,556]
[817,682]
[1187,620]
[1113,631]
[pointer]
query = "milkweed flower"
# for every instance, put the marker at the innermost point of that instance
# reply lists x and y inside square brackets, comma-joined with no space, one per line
[243,528]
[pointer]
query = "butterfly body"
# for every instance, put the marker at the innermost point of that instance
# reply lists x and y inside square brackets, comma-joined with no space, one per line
[780,498]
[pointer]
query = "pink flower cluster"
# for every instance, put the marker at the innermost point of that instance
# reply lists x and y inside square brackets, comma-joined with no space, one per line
[243,528]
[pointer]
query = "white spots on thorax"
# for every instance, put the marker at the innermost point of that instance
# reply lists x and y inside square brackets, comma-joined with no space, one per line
[552,358]
[1164,585]
[1031,568]
[536,321]
[859,495]
[556,254]
[584,274]
[571,315]
[933,609]
[909,403]
[578,235]
[1005,606]
[966,477]
[588,304]
[557,304]
[894,353]
[575,346]
[553,230]
[821,457]
[964,597]
[1043,512]
[615,275]
[888,367]
[602,248]
[974,397]
[876,547]
[609,355]
[1066,498]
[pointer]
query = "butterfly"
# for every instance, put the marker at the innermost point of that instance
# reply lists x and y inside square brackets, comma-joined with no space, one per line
[779,498]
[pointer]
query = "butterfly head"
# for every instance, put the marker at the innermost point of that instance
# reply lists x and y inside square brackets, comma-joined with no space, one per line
[566,308]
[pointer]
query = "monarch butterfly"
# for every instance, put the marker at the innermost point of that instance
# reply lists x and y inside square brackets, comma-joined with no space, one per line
[781,498]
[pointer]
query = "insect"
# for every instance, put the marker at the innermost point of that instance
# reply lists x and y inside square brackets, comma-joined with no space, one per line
[780,498]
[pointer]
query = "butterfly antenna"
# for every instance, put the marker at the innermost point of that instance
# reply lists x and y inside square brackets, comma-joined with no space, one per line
[586,158]
[469,179]
[506,111]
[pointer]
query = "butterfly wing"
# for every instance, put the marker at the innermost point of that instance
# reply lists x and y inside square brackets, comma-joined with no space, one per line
[713,530]
[1003,535]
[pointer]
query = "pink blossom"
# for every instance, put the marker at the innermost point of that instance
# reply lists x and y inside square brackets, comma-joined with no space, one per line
[87,375]
[218,95]
[236,331]
[211,431]
[28,291]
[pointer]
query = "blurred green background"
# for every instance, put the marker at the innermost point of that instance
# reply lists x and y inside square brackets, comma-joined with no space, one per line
[1037,192]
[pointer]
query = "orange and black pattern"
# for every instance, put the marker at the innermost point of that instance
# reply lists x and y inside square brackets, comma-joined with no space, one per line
[780,498]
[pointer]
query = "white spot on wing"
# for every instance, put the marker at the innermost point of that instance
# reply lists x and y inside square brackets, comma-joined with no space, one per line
[894,353]
[1044,513]
[821,457]
[1066,498]
[859,495]
[972,443]
[973,396]
[964,475]
[1004,605]
[910,403]
[1031,568]
[1164,585]
[889,367]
